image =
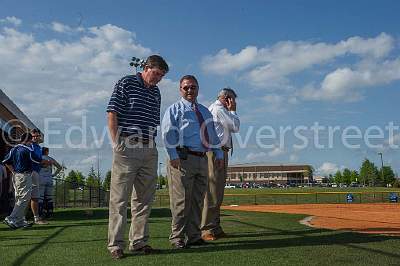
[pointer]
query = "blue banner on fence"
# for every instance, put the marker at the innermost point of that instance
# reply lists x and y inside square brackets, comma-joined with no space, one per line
[393,197]
[349,198]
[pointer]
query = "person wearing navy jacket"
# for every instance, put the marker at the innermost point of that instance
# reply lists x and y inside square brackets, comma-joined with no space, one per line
[20,161]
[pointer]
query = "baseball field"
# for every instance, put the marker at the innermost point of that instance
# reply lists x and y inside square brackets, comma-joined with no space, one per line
[273,234]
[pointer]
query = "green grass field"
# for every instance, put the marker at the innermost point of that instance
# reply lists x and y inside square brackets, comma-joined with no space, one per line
[78,237]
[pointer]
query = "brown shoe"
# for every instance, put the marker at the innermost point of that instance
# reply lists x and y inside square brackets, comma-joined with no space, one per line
[117,254]
[209,237]
[146,250]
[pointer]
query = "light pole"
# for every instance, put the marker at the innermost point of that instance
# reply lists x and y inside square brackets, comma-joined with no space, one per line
[159,175]
[380,153]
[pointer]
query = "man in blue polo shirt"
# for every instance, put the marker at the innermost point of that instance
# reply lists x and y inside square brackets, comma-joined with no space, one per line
[133,117]
[20,160]
[35,194]
[188,132]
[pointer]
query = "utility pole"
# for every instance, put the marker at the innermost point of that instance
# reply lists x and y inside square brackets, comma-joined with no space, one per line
[159,175]
[380,153]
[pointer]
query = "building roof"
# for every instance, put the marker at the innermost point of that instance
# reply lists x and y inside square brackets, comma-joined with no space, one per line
[15,111]
[265,167]
[265,164]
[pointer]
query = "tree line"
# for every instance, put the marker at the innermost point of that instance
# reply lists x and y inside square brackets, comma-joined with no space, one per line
[368,174]
[78,180]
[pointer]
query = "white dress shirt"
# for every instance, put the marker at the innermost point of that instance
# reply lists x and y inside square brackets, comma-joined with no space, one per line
[226,122]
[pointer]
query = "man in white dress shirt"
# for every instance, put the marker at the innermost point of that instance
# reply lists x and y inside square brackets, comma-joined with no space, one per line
[226,122]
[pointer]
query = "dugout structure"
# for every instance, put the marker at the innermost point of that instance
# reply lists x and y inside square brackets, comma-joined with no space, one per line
[13,122]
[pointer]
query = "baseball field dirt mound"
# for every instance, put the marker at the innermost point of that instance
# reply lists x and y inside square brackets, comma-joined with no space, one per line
[375,218]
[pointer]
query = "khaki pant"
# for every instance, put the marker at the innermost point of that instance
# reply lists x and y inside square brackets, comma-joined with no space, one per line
[211,223]
[134,171]
[23,187]
[187,188]
[35,185]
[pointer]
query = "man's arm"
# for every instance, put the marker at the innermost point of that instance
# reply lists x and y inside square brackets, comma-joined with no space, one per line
[170,136]
[113,126]
[229,119]
[57,166]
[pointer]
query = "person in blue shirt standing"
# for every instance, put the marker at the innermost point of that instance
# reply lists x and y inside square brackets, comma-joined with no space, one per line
[46,185]
[188,133]
[20,161]
[36,178]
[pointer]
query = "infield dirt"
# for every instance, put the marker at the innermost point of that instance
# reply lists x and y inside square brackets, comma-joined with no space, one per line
[374,218]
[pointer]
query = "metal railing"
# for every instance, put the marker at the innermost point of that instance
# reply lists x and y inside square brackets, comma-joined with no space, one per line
[69,194]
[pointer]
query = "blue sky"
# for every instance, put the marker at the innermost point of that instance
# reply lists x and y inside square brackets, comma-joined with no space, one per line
[292,63]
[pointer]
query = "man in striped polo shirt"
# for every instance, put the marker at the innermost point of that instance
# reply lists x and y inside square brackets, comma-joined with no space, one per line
[133,117]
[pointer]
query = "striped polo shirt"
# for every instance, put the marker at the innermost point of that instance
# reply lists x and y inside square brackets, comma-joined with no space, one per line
[137,107]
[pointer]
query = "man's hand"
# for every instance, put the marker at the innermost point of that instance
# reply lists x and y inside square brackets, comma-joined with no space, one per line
[175,163]
[231,104]
[219,163]
[113,128]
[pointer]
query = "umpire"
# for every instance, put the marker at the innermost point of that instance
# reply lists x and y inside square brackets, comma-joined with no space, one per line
[133,117]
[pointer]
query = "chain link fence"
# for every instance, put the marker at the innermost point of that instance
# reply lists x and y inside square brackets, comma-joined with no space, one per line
[69,195]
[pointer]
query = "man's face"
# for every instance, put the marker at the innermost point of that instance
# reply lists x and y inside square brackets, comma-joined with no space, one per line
[35,137]
[189,90]
[151,76]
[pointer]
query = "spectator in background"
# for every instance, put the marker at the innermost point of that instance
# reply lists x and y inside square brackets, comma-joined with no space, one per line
[46,174]
[20,161]
[37,150]
[3,177]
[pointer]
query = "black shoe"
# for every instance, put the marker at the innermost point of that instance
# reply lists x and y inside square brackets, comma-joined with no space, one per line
[179,245]
[199,242]
[10,224]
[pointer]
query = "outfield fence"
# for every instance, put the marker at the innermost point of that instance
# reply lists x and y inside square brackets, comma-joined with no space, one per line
[69,195]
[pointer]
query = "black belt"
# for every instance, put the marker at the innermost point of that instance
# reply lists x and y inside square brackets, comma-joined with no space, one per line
[184,151]
[196,153]
[136,139]
[225,148]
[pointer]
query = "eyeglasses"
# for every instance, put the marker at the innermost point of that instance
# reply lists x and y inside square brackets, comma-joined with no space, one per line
[192,87]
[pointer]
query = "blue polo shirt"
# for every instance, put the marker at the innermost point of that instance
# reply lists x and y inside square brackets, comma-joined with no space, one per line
[137,107]
[37,150]
[22,158]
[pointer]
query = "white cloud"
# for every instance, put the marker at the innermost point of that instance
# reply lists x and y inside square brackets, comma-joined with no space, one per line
[69,78]
[62,28]
[256,156]
[272,67]
[74,76]
[11,20]
[275,103]
[91,160]
[224,62]
[276,151]
[344,82]
[327,168]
